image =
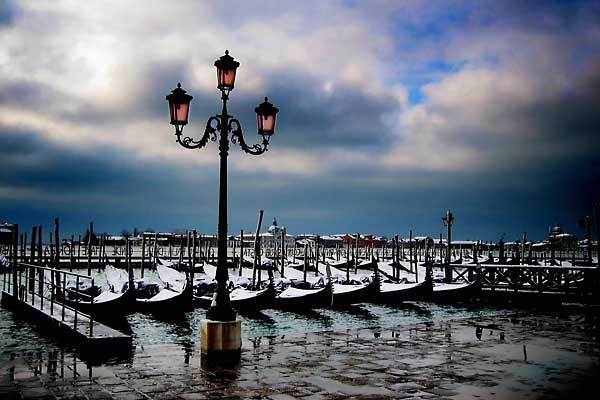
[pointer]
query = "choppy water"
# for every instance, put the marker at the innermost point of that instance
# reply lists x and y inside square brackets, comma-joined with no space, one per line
[17,335]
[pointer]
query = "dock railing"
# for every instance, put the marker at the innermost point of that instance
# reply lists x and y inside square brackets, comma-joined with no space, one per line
[582,280]
[567,279]
[49,289]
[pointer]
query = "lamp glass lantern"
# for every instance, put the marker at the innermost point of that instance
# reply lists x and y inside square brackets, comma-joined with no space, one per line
[226,69]
[266,115]
[179,106]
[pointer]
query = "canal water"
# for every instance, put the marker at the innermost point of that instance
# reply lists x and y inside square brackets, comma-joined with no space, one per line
[182,328]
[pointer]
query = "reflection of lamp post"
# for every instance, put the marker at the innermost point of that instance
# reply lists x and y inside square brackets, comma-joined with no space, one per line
[448,220]
[223,124]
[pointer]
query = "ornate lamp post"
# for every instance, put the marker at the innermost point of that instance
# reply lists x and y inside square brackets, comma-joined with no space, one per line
[221,126]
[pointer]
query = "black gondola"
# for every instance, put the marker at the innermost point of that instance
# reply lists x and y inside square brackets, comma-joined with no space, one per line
[163,300]
[303,299]
[394,293]
[344,294]
[105,305]
[150,297]
[243,299]
[453,292]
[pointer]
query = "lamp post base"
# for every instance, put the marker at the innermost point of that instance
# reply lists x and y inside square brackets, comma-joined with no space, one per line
[222,339]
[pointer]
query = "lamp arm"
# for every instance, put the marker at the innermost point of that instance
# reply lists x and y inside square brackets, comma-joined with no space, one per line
[210,132]
[237,136]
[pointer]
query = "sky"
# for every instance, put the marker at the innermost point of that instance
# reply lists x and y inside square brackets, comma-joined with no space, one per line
[391,112]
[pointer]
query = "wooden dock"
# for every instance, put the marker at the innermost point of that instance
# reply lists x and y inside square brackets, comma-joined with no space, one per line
[35,292]
[64,320]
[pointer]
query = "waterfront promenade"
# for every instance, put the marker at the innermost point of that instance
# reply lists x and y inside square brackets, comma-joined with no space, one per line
[546,355]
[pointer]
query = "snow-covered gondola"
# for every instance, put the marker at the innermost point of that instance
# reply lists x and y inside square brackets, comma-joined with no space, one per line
[304,299]
[95,300]
[243,299]
[150,296]
[453,292]
[344,294]
[394,293]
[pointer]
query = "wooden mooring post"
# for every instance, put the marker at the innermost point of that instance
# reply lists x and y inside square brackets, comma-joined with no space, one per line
[294,252]
[71,255]
[356,259]
[410,249]
[155,249]
[448,221]
[257,256]
[194,248]
[143,256]
[317,256]
[56,261]
[78,250]
[305,260]
[89,249]
[32,249]
[15,259]
[181,249]
[283,252]
[241,265]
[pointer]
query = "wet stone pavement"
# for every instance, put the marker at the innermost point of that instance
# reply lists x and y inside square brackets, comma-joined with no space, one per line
[526,356]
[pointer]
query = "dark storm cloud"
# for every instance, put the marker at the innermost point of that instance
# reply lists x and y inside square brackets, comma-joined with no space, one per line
[474,200]
[27,161]
[310,116]
[573,114]
[504,154]
[345,116]
[104,184]
[566,119]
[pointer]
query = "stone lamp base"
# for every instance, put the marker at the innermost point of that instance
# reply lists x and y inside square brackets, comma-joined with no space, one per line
[222,339]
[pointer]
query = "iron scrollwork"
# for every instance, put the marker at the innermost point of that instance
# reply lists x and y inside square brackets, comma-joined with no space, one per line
[210,132]
[213,126]
[237,136]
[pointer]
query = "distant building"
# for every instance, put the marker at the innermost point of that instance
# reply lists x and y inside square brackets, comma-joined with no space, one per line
[267,239]
[561,240]
[363,240]
[326,240]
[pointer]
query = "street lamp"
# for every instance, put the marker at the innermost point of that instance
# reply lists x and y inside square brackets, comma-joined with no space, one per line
[222,124]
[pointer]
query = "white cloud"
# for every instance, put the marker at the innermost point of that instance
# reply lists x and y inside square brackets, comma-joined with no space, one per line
[105,56]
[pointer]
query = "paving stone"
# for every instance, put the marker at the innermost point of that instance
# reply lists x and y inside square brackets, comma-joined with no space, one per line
[281,397]
[441,392]
[36,393]
[433,361]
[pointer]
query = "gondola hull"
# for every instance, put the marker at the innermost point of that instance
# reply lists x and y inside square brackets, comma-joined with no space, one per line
[167,301]
[369,265]
[353,294]
[304,299]
[453,293]
[118,305]
[395,293]
[249,301]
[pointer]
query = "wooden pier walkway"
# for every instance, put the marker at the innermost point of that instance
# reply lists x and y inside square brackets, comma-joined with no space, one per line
[35,291]
[65,320]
